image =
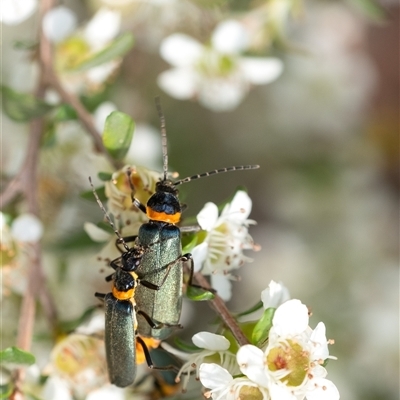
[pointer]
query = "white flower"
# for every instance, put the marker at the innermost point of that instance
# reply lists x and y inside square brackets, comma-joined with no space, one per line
[14,12]
[27,228]
[224,387]
[59,23]
[102,28]
[291,366]
[215,348]
[216,74]
[274,295]
[227,237]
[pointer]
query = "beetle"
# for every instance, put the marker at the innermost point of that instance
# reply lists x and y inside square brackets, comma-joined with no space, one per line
[162,234]
[121,312]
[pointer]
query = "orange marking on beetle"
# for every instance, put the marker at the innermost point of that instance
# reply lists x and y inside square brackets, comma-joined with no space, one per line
[120,295]
[163,217]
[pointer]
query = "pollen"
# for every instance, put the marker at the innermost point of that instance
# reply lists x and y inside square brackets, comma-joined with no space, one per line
[289,356]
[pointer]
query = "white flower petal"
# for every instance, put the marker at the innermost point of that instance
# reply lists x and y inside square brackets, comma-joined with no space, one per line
[290,318]
[199,254]
[99,74]
[59,23]
[27,228]
[222,284]
[101,114]
[14,12]
[230,37]
[208,216]
[107,393]
[251,362]
[280,392]
[222,94]
[95,233]
[179,83]
[320,343]
[274,295]
[102,28]
[213,376]
[260,71]
[239,208]
[56,388]
[323,389]
[180,50]
[210,341]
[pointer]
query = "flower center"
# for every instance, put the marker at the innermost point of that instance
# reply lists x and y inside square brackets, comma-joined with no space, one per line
[290,356]
[250,393]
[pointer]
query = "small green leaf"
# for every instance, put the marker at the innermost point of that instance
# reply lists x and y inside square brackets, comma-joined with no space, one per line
[118,134]
[104,176]
[64,112]
[22,107]
[13,355]
[6,391]
[255,308]
[88,195]
[198,294]
[25,44]
[262,328]
[187,347]
[371,8]
[69,326]
[119,47]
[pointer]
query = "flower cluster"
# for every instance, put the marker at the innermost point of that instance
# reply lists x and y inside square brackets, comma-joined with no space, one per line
[220,248]
[216,73]
[288,365]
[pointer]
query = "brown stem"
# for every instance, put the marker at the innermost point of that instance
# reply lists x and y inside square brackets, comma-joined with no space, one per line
[220,308]
[84,116]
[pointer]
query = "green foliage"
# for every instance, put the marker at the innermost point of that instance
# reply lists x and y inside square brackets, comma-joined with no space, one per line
[69,326]
[14,355]
[252,309]
[104,176]
[22,107]
[262,328]
[5,391]
[88,195]
[118,134]
[119,47]
[371,8]
[64,112]
[186,347]
[199,294]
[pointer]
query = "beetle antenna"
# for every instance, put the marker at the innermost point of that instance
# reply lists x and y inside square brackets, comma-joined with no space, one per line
[163,137]
[216,171]
[120,238]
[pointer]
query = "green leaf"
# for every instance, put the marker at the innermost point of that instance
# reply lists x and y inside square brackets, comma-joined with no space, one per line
[25,44]
[371,8]
[22,107]
[187,347]
[6,391]
[88,195]
[69,326]
[118,134]
[64,112]
[262,328]
[104,176]
[198,294]
[14,355]
[119,47]
[255,308]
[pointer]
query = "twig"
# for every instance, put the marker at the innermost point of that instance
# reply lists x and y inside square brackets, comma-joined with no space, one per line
[26,183]
[219,306]
[84,116]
